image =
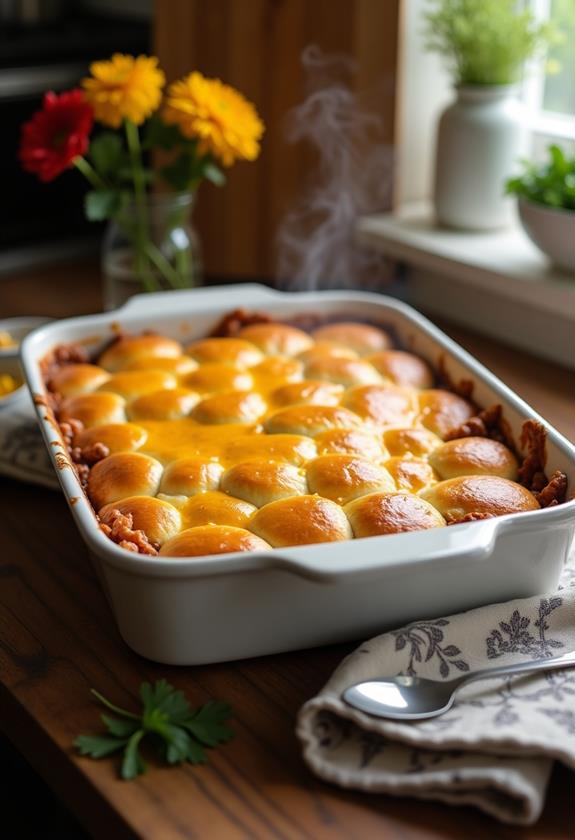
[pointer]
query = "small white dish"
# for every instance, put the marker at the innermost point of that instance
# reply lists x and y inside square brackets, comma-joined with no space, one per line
[11,366]
[18,329]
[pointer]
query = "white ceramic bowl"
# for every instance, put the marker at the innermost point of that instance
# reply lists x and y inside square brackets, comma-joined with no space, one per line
[11,366]
[552,230]
[18,329]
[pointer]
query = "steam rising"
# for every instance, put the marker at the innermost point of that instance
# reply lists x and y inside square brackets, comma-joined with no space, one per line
[315,241]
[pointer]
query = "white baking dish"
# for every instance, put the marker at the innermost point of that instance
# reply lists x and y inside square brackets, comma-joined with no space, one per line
[216,608]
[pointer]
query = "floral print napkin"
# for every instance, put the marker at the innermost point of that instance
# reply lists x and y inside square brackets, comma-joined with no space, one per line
[23,454]
[495,748]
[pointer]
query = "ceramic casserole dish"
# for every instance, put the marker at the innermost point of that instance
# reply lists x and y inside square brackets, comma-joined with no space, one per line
[210,609]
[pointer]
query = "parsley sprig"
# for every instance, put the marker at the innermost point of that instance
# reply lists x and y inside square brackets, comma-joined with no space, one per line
[179,732]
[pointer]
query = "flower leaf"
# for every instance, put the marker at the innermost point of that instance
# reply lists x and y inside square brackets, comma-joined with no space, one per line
[161,136]
[103,204]
[121,728]
[98,746]
[133,765]
[107,153]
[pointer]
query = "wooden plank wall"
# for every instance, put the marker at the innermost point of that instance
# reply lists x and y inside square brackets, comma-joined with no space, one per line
[255,45]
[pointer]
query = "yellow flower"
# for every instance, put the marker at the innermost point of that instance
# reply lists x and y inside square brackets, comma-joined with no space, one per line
[225,124]
[124,88]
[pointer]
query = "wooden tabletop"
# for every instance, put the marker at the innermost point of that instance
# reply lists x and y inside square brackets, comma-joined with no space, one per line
[58,639]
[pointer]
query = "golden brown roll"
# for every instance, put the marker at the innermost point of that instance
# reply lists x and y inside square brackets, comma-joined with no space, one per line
[236,407]
[342,478]
[178,366]
[402,368]
[133,348]
[117,437]
[214,378]
[277,339]
[301,520]
[163,405]
[474,456]
[291,449]
[232,351]
[121,475]
[386,405]
[442,411]
[211,539]
[323,349]
[418,442]
[410,474]
[307,392]
[359,337]
[479,496]
[215,508]
[343,371]
[391,513]
[350,442]
[72,380]
[188,476]
[94,409]
[261,482]
[311,420]
[135,383]
[158,520]
[276,370]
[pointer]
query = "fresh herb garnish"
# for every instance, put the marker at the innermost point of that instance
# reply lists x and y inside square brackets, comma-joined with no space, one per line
[179,732]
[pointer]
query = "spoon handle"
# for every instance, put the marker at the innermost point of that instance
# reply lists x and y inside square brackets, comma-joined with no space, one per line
[550,664]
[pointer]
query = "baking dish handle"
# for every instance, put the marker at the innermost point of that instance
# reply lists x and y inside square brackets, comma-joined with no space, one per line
[233,296]
[330,562]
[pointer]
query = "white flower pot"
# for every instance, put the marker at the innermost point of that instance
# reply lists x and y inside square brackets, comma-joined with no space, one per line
[480,138]
[552,230]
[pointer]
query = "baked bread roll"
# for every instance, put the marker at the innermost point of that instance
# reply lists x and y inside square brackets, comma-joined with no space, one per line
[134,348]
[188,476]
[212,378]
[324,349]
[301,520]
[478,496]
[163,405]
[391,513]
[134,383]
[350,442]
[342,478]
[474,456]
[311,420]
[307,392]
[261,482]
[232,351]
[215,508]
[211,539]
[418,442]
[236,407]
[442,411]
[402,368]
[291,449]
[71,380]
[178,366]
[385,405]
[362,338]
[342,371]
[277,339]
[94,409]
[123,474]
[275,371]
[158,520]
[117,437]
[410,474]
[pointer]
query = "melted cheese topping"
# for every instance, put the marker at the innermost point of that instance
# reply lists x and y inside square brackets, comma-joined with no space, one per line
[237,438]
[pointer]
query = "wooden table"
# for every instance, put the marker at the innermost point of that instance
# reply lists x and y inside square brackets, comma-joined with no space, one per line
[57,639]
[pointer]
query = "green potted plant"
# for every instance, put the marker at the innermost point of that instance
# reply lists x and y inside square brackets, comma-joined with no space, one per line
[485,44]
[546,203]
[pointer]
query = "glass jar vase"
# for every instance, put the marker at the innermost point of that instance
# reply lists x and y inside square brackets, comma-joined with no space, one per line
[150,246]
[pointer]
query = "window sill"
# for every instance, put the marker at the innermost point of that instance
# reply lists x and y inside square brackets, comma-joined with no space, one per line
[495,282]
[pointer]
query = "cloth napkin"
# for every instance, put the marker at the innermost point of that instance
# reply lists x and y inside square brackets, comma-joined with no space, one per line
[23,454]
[495,748]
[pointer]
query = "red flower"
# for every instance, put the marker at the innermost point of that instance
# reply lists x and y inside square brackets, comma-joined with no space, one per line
[56,135]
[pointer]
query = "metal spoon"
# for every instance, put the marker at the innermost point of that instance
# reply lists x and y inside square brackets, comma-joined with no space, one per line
[415,698]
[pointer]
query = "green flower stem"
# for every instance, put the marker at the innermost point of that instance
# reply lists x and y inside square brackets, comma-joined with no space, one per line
[142,238]
[163,265]
[89,173]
